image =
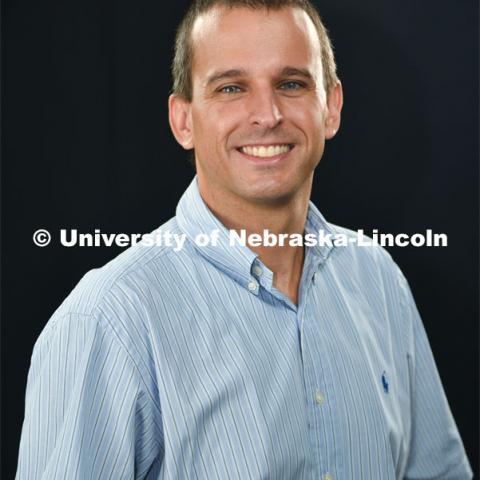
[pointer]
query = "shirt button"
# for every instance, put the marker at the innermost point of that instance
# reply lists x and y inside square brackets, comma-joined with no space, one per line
[319,399]
[327,477]
[252,286]
[257,270]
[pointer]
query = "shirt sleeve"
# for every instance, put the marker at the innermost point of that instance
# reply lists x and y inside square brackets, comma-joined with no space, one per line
[436,449]
[87,412]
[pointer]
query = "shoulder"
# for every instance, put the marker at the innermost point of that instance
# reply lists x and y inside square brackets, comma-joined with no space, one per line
[366,266]
[115,308]
[115,297]
[97,284]
[363,253]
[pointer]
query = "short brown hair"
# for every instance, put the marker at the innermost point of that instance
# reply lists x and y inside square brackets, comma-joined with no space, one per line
[183,56]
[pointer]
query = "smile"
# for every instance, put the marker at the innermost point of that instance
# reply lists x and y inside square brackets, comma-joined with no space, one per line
[265,151]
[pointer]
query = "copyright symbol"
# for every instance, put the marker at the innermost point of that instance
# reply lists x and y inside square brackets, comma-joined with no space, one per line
[41,238]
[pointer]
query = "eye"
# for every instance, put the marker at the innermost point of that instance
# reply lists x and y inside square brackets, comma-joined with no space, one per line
[229,89]
[292,85]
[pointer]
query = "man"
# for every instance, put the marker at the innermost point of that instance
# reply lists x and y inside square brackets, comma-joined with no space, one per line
[227,362]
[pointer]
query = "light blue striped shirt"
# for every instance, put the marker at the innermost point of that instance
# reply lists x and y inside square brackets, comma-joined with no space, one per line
[191,365]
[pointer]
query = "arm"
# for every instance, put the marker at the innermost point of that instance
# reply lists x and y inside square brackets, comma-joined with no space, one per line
[87,412]
[436,449]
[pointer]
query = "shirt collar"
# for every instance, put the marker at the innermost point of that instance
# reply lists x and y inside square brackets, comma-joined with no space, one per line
[195,218]
[316,223]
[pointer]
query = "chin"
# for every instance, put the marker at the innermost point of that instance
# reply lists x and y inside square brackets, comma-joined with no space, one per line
[269,194]
[275,188]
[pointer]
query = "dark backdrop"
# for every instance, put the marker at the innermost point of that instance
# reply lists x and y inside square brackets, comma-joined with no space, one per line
[87,145]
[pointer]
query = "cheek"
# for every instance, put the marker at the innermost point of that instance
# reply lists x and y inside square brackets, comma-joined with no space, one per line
[229,116]
[308,116]
[213,125]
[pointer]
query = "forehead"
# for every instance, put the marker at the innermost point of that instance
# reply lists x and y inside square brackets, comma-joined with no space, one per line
[254,39]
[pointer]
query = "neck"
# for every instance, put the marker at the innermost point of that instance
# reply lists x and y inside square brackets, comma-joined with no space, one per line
[287,217]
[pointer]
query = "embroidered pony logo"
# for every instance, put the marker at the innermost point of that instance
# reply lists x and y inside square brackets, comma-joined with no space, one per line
[384,382]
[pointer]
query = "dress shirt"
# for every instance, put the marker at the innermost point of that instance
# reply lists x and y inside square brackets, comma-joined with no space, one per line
[191,365]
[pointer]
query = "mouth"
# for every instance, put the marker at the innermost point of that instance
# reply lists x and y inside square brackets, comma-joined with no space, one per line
[266,152]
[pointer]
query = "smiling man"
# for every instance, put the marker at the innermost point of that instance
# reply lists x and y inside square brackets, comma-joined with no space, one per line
[257,114]
[227,362]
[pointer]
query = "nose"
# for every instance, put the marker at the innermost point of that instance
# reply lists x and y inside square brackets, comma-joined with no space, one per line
[264,109]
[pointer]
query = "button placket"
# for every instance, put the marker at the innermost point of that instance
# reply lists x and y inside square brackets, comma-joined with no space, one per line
[314,376]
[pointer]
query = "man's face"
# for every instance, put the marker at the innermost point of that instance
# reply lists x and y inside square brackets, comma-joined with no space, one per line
[258,115]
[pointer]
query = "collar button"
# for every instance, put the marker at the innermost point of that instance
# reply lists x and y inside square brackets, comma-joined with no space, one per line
[257,270]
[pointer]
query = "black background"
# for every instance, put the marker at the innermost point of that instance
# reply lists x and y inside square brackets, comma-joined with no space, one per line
[86,145]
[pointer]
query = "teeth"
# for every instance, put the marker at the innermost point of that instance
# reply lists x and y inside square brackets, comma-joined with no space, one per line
[269,151]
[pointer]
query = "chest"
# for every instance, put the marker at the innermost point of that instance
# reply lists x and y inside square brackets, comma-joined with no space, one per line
[253,389]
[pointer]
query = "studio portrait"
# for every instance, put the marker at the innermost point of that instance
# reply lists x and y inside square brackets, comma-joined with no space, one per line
[240,240]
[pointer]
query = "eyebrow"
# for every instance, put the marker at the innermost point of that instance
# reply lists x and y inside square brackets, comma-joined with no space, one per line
[240,72]
[300,72]
[225,74]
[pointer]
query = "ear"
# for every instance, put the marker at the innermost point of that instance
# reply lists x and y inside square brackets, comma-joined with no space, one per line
[334,109]
[179,116]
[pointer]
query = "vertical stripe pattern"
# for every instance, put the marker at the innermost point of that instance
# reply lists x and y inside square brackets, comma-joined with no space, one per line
[191,365]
